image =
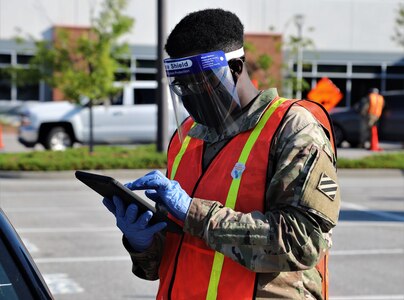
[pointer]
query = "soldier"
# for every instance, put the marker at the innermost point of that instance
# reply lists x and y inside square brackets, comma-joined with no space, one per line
[250,175]
[370,108]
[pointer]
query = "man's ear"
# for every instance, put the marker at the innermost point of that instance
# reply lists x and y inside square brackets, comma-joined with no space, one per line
[236,68]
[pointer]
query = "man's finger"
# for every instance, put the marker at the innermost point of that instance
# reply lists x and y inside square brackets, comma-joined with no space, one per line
[153,180]
[153,195]
[144,219]
[131,213]
[156,227]
[109,205]
[120,210]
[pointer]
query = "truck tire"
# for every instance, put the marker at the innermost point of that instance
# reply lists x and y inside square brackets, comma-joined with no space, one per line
[58,139]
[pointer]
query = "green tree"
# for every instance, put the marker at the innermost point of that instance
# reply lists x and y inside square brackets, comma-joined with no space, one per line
[398,36]
[85,66]
[293,44]
[263,63]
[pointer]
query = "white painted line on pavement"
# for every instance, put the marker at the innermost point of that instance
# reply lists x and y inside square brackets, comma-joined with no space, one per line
[53,209]
[367,297]
[60,283]
[371,223]
[383,214]
[66,229]
[80,259]
[30,246]
[366,252]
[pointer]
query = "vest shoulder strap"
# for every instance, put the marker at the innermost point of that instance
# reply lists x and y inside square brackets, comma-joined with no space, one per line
[323,117]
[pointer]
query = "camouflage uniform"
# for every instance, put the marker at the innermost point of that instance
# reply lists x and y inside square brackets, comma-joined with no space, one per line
[284,244]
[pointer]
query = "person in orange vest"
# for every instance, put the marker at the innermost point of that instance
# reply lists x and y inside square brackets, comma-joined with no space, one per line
[370,108]
[251,177]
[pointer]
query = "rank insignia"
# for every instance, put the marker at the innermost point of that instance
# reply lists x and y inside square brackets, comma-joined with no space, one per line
[327,186]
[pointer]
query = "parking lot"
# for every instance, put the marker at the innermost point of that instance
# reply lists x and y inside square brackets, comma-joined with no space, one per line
[77,247]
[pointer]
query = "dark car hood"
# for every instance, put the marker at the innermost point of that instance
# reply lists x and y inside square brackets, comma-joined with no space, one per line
[339,110]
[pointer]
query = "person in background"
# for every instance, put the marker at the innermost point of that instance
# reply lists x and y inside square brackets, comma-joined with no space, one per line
[251,177]
[370,108]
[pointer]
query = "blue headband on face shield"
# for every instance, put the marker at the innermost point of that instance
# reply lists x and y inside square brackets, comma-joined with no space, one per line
[205,86]
[199,63]
[190,75]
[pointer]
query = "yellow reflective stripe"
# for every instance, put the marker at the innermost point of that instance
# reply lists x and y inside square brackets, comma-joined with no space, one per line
[235,184]
[179,155]
[232,196]
[215,276]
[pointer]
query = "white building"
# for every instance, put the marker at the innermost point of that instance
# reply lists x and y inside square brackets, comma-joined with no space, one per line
[352,38]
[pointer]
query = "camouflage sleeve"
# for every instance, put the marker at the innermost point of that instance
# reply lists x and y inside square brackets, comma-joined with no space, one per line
[146,264]
[293,234]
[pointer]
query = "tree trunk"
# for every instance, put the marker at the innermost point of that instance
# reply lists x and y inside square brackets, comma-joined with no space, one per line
[91,127]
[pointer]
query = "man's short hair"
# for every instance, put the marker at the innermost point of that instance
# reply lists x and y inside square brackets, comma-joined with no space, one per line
[204,31]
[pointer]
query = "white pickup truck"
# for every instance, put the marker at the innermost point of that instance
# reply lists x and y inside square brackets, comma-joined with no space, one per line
[131,119]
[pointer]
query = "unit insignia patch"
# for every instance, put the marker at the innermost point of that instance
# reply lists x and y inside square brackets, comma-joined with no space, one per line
[327,186]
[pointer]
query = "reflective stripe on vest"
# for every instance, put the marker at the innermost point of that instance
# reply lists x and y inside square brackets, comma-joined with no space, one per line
[232,195]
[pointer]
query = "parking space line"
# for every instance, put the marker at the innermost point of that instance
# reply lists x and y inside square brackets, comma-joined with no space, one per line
[47,260]
[366,252]
[66,229]
[367,297]
[60,283]
[370,223]
[383,214]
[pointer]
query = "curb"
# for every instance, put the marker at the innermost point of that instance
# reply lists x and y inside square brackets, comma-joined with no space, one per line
[120,173]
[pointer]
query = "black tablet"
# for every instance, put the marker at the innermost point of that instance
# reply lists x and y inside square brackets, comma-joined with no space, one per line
[108,187]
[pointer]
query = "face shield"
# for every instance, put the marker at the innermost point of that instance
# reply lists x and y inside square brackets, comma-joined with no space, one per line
[204,85]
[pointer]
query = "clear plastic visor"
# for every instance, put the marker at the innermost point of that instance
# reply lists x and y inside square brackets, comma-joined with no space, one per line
[204,86]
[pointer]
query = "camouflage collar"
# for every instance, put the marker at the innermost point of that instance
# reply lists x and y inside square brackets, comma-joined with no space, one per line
[244,122]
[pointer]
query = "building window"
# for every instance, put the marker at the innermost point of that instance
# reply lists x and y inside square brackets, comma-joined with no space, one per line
[5,86]
[395,84]
[23,59]
[146,63]
[145,96]
[367,69]
[5,59]
[145,76]
[399,70]
[331,68]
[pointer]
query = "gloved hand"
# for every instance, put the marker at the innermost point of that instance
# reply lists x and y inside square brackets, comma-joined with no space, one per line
[134,228]
[164,191]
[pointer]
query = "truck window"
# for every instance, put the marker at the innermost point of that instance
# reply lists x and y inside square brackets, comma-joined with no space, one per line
[145,96]
[117,99]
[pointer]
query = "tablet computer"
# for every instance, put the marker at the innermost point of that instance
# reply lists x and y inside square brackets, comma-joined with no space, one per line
[108,187]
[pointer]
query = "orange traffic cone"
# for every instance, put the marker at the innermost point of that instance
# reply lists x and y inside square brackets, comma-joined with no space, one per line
[374,141]
[1,137]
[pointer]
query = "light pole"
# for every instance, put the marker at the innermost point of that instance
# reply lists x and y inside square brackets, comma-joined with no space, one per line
[299,20]
[162,104]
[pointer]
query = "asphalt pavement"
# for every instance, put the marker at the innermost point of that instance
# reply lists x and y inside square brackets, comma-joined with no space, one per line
[77,246]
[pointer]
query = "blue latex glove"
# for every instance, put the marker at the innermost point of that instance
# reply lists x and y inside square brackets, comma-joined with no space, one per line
[164,191]
[135,229]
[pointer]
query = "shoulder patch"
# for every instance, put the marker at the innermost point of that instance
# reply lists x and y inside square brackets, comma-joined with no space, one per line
[327,186]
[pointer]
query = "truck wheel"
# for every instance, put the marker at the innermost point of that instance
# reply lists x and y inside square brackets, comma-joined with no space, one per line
[58,139]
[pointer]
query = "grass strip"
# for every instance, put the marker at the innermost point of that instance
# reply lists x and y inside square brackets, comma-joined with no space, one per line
[103,157]
[146,157]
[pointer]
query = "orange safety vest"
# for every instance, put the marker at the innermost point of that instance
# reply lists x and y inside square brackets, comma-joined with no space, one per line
[376,103]
[189,269]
